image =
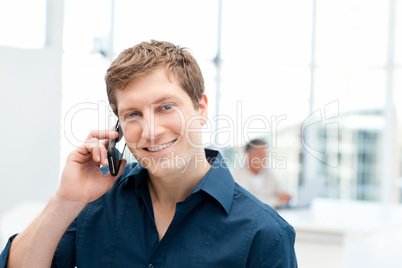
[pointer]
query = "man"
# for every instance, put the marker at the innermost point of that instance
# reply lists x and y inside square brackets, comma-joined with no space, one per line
[179,207]
[257,178]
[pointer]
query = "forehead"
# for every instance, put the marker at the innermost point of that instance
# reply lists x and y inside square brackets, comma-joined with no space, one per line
[258,150]
[154,87]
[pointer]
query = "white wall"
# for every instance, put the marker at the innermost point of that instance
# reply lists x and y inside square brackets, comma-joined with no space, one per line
[30,99]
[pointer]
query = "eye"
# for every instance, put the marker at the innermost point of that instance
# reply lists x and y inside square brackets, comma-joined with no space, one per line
[166,107]
[132,115]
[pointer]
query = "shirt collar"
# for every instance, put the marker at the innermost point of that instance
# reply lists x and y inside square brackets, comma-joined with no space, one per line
[218,182]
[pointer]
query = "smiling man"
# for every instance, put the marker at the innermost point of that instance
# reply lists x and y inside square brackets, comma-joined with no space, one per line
[178,207]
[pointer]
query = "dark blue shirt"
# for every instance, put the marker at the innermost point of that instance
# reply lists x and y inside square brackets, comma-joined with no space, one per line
[219,224]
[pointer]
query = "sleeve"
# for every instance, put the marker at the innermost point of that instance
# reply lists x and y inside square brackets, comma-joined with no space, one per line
[65,256]
[5,252]
[280,254]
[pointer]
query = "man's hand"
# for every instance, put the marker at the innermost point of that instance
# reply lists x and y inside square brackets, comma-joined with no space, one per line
[81,180]
[284,197]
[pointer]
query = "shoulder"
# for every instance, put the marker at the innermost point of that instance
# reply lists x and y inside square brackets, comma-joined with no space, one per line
[272,238]
[266,214]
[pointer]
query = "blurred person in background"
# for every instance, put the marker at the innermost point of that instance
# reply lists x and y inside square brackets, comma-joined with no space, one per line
[257,177]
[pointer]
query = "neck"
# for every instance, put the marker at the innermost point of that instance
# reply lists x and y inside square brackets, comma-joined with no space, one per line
[254,171]
[173,188]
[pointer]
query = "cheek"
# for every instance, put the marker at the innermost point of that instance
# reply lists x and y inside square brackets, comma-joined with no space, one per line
[173,122]
[194,131]
[176,124]
[132,133]
[176,121]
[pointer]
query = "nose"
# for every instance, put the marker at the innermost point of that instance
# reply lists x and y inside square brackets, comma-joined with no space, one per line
[152,127]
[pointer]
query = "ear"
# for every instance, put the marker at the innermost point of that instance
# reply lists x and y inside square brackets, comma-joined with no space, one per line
[203,109]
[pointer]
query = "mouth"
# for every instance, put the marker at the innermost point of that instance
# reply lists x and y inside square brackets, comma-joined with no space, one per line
[160,147]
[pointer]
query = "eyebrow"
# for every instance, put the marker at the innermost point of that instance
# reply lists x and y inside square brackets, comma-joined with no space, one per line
[157,101]
[163,99]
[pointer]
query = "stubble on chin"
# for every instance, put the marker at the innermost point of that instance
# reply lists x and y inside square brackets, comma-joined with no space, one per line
[165,164]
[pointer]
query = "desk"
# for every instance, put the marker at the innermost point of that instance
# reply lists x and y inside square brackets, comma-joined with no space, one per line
[347,234]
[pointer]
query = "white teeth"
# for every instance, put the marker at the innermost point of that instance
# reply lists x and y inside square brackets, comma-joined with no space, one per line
[161,147]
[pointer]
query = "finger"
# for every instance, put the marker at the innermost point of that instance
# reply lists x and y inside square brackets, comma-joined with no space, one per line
[92,146]
[101,134]
[96,154]
[103,155]
[99,152]
[105,143]
[87,147]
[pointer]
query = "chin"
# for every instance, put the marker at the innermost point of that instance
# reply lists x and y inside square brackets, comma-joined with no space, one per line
[166,172]
[163,166]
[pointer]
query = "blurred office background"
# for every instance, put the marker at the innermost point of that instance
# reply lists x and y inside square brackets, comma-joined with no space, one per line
[320,80]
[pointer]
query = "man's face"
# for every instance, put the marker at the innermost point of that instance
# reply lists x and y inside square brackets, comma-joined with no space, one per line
[257,158]
[160,124]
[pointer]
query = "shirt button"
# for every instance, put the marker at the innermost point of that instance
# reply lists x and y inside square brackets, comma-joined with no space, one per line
[150,266]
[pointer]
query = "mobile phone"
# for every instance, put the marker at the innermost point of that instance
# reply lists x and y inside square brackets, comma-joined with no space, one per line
[114,157]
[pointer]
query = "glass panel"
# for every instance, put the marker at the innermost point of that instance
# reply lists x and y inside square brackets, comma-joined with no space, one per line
[267,32]
[398,32]
[354,88]
[360,94]
[266,50]
[86,30]
[22,23]
[352,32]
[351,54]
[398,92]
[270,92]
[190,24]
[398,127]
